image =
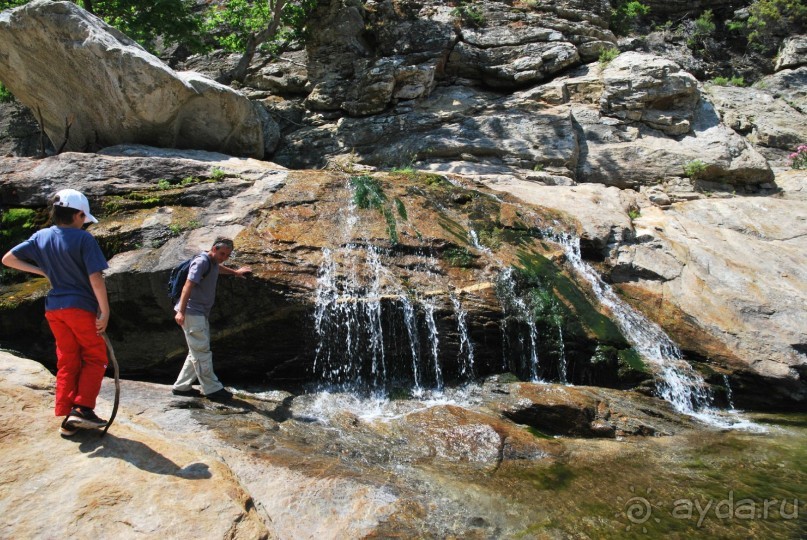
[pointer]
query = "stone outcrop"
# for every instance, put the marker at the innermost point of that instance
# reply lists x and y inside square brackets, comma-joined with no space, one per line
[103,486]
[792,53]
[54,52]
[721,275]
[315,254]
[19,132]
[650,90]
[765,116]
[497,93]
[320,465]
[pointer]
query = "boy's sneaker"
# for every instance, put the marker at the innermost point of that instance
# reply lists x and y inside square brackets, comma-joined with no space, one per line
[66,429]
[84,417]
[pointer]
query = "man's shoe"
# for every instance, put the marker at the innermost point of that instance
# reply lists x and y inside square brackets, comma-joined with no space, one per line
[66,429]
[193,392]
[220,395]
[84,417]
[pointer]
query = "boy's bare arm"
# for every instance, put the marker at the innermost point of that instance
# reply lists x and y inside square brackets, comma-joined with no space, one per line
[99,288]
[12,261]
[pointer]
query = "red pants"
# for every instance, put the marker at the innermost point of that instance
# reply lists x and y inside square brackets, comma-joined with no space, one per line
[81,358]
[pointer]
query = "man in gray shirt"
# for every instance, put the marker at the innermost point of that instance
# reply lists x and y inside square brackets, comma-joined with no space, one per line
[193,313]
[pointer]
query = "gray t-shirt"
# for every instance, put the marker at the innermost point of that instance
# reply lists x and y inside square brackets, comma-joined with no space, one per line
[203,294]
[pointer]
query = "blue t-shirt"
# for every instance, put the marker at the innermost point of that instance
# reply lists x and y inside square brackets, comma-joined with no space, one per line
[203,294]
[67,256]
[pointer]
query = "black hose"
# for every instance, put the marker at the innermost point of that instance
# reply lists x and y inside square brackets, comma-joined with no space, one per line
[117,383]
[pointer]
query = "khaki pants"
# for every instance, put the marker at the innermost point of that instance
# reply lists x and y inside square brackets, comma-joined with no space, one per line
[199,363]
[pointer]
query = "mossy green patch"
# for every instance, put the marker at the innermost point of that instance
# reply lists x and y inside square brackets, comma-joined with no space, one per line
[17,225]
[537,433]
[631,359]
[538,268]
[453,228]
[17,293]
[459,257]
[368,193]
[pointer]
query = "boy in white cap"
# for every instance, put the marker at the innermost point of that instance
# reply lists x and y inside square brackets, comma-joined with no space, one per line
[77,308]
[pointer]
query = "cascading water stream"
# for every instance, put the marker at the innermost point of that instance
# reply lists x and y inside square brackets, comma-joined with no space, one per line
[729,396]
[357,295]
[680,384]
[562,369]
[466,354]
[434,341]
[514,305]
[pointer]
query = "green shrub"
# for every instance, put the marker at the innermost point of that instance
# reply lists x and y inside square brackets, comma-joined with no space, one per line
[725,81]
[217,174]
[459,257]
[626,15]
[368,193]
[694,169]
[470,15]
[607,55]
[770,20]
[5,95]
[163,184]
[704,27]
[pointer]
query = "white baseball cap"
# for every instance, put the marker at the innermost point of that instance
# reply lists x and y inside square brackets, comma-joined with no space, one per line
[70,198]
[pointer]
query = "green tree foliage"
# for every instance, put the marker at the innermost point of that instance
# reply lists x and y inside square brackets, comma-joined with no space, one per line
[626,15]
[8,4]
[5,95]
[245,25]
[770,20]
[703,29]
[171,21]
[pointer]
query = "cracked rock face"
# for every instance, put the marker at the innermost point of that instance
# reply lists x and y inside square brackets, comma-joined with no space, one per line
[720,275]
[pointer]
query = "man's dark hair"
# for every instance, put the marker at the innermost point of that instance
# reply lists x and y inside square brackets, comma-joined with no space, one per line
[221,241]
[62,215]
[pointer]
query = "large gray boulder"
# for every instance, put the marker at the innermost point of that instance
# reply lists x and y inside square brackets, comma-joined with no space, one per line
[792,54]
[644,88]
[766,119]
[65,63]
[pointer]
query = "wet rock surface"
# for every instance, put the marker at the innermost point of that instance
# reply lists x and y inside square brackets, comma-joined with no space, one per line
[272,464]
[419,276]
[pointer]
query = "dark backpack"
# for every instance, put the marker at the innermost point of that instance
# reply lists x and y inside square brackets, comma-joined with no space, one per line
[179,275]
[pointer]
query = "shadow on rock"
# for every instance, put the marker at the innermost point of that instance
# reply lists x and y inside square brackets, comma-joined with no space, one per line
[280,413]
[138,454]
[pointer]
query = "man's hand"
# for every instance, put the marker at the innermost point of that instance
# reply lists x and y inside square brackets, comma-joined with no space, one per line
[180,318]
[243,271]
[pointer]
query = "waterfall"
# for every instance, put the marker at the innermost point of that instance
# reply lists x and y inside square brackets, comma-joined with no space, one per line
[515,306]
[729,396]
[434,340]
[466,346]
[680,384]
[564,377]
